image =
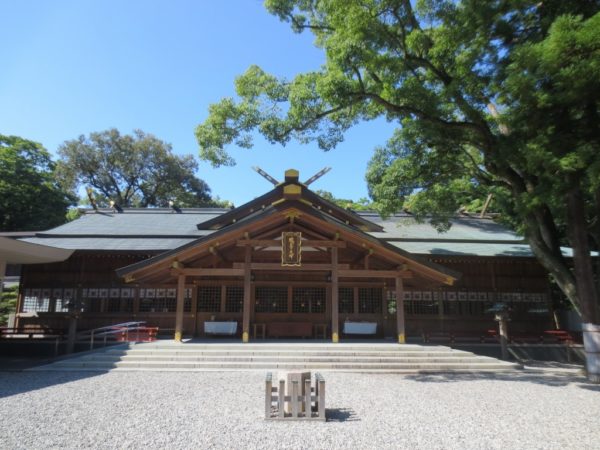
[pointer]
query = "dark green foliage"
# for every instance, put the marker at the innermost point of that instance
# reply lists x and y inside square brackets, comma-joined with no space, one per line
[30,198]
[8,303]
[497,97]
[362,204]
[138,170]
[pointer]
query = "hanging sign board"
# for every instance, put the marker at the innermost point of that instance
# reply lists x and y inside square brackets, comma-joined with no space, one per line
[291,248]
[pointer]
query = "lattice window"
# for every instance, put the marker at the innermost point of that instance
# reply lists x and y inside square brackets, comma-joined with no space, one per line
[113,305]
[390,300]
[158,300]
[127,305]
[308,300]
[35,300]
[146,297]
[187,300]
[420,307]
[64,304]
[165,304]
[346,300]
[370,300]
[234,299]
[209,299]
[462,308]
[62,299]
[91,300]
[271,299]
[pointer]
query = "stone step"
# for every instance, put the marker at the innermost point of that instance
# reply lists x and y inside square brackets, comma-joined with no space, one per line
[288,347]
[287,358]
[397,354]
[352,358]
[287,366]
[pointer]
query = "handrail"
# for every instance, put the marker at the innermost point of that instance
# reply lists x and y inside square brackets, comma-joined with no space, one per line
[111,330]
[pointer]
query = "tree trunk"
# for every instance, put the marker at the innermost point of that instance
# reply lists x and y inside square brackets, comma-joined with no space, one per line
[578,284]
[584,276]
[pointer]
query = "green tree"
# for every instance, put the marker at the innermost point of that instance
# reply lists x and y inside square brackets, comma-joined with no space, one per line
[496,96]
[8,303]
[30,199]
[362,204]
[138,170]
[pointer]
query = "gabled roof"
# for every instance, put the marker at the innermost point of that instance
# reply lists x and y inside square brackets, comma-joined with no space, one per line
[290,188]
[290,208]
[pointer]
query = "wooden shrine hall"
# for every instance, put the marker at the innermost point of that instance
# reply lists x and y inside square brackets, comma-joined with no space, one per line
[291,252]
[288,264]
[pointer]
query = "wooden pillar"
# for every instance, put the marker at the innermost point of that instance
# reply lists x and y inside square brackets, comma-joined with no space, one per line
[440,303]
[400,311]
[335,291]
[194,302]
[247,295]
[74,312]
[179,310]
[2,274]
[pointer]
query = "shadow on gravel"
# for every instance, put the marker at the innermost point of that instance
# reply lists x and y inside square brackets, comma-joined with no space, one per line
[14,383]
[590,387]
[547,379]
[341,415]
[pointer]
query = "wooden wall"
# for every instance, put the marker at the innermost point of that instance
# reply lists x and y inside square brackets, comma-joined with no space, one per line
[519,281]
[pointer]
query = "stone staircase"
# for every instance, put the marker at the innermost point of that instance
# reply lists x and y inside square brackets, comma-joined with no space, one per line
[347,357]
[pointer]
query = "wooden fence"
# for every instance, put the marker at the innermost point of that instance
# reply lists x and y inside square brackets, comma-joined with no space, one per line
[300,404]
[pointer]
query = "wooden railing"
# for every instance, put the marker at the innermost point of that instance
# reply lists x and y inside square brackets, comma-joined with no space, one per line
[121,332]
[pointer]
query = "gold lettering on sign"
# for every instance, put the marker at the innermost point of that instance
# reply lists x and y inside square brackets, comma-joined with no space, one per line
[291,248]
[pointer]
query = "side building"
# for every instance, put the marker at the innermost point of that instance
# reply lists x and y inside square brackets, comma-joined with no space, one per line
[288,263]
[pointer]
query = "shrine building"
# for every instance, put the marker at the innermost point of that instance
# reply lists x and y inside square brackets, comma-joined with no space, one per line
[288,264]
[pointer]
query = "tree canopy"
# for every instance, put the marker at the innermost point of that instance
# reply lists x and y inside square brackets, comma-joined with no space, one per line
[131,170]
[495,97]
[30,198]
[362,204]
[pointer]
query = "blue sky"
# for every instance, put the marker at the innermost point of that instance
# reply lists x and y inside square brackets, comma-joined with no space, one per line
[73,67]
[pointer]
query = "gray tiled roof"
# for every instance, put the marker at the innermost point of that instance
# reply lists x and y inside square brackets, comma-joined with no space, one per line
[463,228]
[136,222]
[116,244]
[471,249]
[163,229]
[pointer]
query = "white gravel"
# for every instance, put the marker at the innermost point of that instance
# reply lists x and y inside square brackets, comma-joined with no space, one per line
[172,410]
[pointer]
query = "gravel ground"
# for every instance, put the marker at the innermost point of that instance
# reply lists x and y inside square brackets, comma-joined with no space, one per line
[196,410]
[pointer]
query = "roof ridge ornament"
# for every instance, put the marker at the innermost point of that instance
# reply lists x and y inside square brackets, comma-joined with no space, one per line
[264,174]
[317,175]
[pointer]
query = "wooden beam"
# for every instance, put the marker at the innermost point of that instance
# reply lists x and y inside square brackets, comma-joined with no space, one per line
[210,272]
[278,266]
[322,243]
[375,273]
[277,243]
[212,249]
